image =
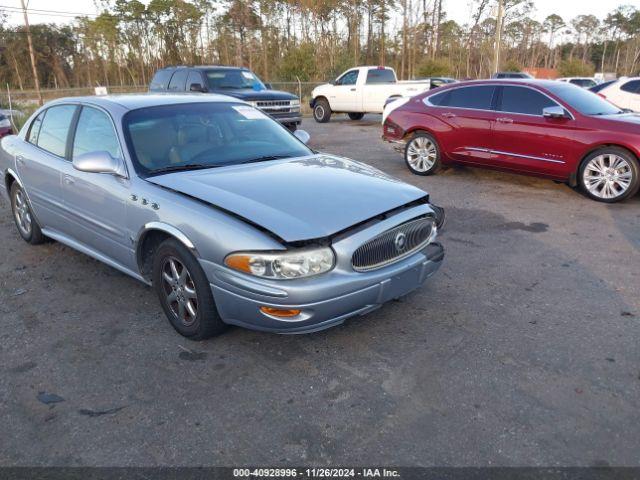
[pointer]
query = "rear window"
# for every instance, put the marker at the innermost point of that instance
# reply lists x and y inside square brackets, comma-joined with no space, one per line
[160,80]
[478,97]
[380,75]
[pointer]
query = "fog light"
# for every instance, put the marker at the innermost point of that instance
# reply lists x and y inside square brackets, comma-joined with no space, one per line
[279,312]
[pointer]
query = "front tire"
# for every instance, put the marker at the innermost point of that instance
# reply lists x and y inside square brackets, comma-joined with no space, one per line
[356,115]
[610,174]
[422,154]
[184,292]
[321,111]
[23,217]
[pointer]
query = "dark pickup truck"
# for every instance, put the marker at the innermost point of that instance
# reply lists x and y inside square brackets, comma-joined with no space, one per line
[237,82]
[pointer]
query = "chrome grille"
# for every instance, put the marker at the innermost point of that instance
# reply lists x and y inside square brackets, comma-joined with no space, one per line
[394,244]
[274,105]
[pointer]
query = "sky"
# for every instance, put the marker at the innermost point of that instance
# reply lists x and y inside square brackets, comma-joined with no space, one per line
[457,10]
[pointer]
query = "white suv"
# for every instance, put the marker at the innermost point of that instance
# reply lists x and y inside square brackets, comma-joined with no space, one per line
[625,93]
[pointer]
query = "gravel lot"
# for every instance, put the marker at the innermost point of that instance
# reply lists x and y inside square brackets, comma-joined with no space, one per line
[523,350]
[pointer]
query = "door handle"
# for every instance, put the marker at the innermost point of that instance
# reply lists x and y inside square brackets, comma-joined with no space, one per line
[353,89]
[69,180]
[505,120]
[448,115]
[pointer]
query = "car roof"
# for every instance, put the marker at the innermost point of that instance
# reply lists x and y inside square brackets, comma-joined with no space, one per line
[505,81]
[143,100]
[203,67]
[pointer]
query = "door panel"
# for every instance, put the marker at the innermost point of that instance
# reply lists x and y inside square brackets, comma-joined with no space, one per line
[469,139]
[344,96]
[40,160]
[96,207]
[468,114]
[525,140]
[534,144]
[39,172]
[95,202]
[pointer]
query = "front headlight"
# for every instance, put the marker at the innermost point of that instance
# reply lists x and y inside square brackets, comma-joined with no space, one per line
[283,266]
[295,103]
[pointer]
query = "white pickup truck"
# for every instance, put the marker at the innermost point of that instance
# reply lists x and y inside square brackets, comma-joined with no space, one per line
[361,90]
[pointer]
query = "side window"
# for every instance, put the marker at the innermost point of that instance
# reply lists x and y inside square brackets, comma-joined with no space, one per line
[160,80]
[477,98]
[194,77]
[178,80]
[34,131]
[524,100]
[380,75]
[55,129]
[349,78]
[632,87]
[438,99]
[95,133]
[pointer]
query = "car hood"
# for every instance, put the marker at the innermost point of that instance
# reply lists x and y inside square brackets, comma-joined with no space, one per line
[251,95]
[296,199]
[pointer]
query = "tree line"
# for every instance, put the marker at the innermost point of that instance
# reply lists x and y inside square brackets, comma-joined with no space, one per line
[311,40]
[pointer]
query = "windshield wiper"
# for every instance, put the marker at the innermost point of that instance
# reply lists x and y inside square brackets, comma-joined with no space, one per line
[182,168]
[265,158]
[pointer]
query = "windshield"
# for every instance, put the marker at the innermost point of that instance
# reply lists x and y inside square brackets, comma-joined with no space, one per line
[584,101]
[205,135]
[237,79]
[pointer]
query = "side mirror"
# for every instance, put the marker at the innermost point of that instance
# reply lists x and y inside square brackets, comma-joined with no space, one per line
[196,87]
[554,112]
[302,135]
[99,162]
[268,86]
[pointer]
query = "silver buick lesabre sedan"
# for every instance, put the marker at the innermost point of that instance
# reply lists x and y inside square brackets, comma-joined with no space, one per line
[231,218]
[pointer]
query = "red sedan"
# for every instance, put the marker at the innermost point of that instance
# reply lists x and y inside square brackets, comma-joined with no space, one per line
[545,128]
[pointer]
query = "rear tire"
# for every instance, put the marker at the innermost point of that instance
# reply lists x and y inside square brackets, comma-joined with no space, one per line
[321,111]
[184,292]
[355,115]
[23,217]
[422,154]
[609,175]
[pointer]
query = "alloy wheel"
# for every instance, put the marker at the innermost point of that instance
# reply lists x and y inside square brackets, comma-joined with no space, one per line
[422,154]
[607,176]
[22,213]
[319,112]
[180,291]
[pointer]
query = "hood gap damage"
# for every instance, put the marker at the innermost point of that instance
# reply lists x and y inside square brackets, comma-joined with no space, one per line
[322,241]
